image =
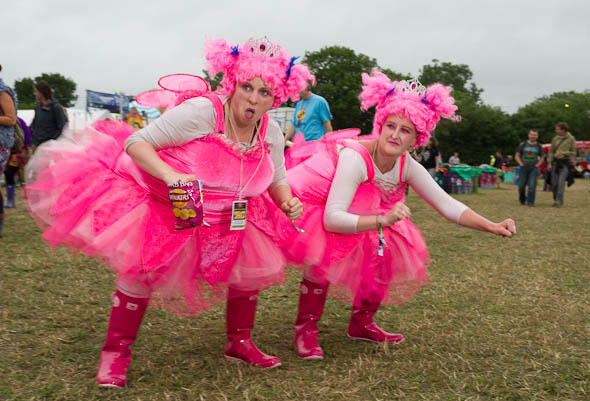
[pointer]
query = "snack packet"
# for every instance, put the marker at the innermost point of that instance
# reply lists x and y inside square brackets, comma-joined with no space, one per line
[187,203]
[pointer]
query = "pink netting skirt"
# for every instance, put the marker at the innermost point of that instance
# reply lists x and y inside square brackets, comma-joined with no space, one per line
[301,150]
[79,200]
[350,262]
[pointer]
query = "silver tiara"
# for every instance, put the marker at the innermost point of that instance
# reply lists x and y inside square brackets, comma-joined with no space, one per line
[264,47]
[412,86]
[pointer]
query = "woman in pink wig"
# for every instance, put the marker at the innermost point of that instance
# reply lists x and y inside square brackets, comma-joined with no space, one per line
[89,195]
[359,238]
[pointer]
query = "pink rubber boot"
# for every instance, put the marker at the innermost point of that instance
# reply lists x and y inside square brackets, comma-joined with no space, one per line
[115,357]
[241,310]
[312,298]
[362,326]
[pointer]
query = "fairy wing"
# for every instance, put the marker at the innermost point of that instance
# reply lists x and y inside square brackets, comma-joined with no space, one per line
[176,88]
[180,83]
[158,98]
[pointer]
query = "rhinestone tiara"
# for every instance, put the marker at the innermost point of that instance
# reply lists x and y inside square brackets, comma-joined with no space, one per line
[412,86]
[264,47]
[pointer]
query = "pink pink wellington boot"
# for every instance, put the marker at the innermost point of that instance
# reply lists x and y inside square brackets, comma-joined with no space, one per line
[362,326]
[115,357]
[241,310]
[312,298]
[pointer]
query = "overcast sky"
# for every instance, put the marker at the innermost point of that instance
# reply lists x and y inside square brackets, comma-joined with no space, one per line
[518,50]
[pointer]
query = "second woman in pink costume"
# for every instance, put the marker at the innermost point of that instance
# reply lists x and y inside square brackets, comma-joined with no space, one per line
[359,238]
[88,195]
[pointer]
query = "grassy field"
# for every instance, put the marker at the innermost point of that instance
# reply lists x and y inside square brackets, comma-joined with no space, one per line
[502,320]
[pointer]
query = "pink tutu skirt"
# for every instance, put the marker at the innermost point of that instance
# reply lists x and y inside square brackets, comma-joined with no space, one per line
[350,262]
[85,193]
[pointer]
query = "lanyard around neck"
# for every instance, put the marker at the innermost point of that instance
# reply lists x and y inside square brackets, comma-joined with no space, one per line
[241,188]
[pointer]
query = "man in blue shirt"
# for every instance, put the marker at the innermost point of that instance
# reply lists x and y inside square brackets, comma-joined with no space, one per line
[529,156]
[312,117]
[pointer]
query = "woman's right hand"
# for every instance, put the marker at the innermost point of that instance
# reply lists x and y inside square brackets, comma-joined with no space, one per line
[174,177]
[398,212]
[506,228]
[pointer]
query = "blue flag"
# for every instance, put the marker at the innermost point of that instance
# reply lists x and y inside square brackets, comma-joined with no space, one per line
[107,101]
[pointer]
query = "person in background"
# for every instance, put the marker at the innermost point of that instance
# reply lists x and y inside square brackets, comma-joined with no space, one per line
[562,154]
[50,117]
[358,235]
[529,156]
[454,160]
[509,161]
[312,118]
[498,161]
[17,162]
[430,157]
[8,106]
[144,117]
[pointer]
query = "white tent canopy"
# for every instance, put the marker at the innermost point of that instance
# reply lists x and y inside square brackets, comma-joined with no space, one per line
[77,118]
[283,116]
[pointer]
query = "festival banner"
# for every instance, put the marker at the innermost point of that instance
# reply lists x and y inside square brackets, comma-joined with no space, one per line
[107,101]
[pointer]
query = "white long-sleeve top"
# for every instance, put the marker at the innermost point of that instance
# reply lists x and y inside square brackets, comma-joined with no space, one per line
[195,118]
[351,171]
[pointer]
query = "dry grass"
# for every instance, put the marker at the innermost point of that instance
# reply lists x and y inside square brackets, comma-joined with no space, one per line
[502,320]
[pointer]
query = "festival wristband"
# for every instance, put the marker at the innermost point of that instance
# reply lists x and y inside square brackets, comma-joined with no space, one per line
[381,237]
[301,230]
[292,223]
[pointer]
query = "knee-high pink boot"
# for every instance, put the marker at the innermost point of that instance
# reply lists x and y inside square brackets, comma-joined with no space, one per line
[115,357]
[362,326]
[312,298]
[241,310]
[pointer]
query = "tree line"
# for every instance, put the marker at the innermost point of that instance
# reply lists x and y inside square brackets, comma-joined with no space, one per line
[484,129]
[64,90]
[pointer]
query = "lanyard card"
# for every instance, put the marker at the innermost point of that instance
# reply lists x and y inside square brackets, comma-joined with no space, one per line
[238,214]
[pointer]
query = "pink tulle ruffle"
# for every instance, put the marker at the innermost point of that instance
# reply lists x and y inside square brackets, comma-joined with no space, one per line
[86,194]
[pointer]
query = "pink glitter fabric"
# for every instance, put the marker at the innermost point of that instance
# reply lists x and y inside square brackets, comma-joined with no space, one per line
[302,150]
[88,195]
[350,262]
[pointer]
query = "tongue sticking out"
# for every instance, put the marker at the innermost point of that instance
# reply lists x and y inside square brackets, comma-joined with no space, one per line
[249,114]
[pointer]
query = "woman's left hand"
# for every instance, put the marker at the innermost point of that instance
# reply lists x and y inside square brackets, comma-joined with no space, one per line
[174,177]
[506,228]
[292,208]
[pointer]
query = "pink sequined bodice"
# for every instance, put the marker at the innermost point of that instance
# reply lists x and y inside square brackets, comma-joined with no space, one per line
[371,198]
[312,179]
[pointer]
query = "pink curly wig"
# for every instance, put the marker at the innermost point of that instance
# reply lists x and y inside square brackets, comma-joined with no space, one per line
[243,63]
[424,110]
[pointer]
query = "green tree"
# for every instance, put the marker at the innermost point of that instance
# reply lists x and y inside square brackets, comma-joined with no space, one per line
[24,93]
[338,72]
[543,113]
[483,130]
[64,90]
[213,81]
[455,75]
